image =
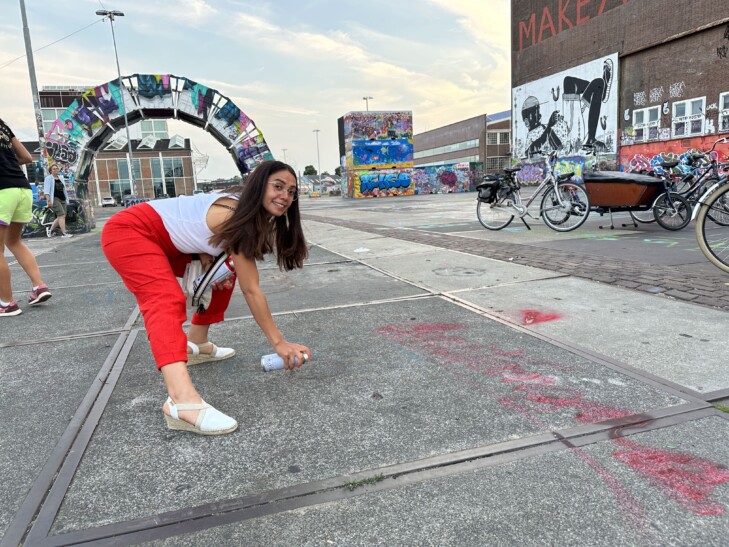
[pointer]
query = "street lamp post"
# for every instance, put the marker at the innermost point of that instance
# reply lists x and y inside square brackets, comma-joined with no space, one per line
[34,89]
[111,14]
[284,151]
[318,161]
[367,102]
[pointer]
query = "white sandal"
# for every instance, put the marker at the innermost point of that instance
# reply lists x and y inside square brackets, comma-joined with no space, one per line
[210,421]
[218,354]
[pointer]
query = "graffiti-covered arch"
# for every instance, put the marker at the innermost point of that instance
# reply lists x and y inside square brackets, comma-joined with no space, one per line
[90,122]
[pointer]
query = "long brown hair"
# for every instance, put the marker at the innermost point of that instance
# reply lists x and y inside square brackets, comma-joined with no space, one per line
[252,232]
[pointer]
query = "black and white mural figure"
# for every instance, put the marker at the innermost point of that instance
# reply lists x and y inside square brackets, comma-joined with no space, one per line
[590,96]
[586,114]
[542,139]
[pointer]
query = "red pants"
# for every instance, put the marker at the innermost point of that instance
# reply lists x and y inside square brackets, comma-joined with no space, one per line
[138,247]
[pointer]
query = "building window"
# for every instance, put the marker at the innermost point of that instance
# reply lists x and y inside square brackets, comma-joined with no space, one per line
[173,168]
[492,138]
[493,163]
[177,142]
[154,128]
[504,137]
[646,123]
[724,112]
[119,142]
[148,142]
[455,147]
[688,117]
[156,168]
[123,169]
[50,115]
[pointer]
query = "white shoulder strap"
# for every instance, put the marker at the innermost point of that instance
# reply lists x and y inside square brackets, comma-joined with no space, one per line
[207,278]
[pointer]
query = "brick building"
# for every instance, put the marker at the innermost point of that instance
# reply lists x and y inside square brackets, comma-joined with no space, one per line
[483,139]
[640,79]
[161,166]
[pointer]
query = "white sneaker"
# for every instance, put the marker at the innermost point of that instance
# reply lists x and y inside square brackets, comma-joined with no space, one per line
[67,235]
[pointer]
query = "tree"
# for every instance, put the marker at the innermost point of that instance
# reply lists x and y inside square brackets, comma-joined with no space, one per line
[338,171]
[325,173]
[309,170]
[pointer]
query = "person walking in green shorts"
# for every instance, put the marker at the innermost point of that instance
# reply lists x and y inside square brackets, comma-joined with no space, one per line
[16,200]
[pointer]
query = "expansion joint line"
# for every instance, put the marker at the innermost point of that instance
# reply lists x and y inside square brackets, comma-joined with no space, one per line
[32,522]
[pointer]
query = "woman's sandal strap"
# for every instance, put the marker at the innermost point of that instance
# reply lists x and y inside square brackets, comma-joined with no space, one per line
[192,406]
[194,347]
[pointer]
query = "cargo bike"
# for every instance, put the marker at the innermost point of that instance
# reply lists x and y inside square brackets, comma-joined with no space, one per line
[646,198]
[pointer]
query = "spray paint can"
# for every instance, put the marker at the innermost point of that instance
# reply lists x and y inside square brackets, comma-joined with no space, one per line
[272,361]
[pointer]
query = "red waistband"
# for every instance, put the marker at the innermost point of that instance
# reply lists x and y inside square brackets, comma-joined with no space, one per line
[144,220]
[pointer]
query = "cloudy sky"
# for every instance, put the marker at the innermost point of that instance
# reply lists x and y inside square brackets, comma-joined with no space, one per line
[291,65]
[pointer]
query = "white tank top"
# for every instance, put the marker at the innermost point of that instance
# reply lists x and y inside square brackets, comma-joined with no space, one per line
[184,217]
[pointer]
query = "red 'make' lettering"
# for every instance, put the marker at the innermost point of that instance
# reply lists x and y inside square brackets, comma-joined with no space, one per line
[581,19]
[525,30]
[546,23]
[562,14]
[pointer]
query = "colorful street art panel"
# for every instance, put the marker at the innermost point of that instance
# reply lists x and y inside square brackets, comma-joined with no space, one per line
[568,109]
[102,107]
[251,151]
[532,173]
[154,91]
[395,153]
[195,99]
[382,183]
[647,157]
[372,126]
[445,179]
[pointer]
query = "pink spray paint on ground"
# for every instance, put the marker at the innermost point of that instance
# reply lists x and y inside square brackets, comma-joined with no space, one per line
[687,479]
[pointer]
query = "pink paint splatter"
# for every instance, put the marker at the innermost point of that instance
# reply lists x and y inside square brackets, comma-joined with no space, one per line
[687,479]
[530,317]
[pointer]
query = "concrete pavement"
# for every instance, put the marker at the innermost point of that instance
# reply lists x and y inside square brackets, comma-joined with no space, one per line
[468,388]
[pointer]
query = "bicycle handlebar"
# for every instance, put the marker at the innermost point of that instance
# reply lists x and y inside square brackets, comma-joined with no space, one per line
[721,140]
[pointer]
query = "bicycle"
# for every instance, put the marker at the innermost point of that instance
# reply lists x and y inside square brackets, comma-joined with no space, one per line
[41,221]
[564,206]
[713,236]
[693,184]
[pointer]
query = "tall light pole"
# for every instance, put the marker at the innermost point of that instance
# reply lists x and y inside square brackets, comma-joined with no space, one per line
[111,14]
[318,161]
[284,151]
[367,102]
[34,88]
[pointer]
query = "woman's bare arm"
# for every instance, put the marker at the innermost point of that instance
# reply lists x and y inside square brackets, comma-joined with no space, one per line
[21,152]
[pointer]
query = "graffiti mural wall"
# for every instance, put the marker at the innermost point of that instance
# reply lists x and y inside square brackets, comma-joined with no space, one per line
[566,110]
[378,156]
[447,179]
[91,121]
[647,157]
[381,183]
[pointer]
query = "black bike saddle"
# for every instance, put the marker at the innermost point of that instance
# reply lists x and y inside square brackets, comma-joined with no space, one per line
[511,169]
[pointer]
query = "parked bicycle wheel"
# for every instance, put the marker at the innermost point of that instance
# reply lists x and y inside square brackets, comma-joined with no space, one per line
[719,213]
[643,217]
[713,238]
[672,211]
[495,216]
[571,215]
